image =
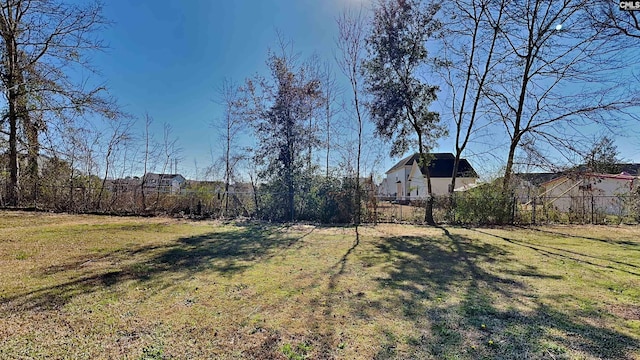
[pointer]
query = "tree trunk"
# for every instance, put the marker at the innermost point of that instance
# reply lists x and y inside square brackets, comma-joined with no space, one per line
[428,214]
[227,167]
[12,191]
[423,163]
[32,155]
[509,169]
[454,174]
[12,68]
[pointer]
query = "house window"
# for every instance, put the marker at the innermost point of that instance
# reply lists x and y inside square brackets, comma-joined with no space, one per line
[417,192]
[409,194]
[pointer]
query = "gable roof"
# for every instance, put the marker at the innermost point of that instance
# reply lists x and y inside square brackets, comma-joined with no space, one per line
[163,177]
[440,166]
[408,161]
[443,168]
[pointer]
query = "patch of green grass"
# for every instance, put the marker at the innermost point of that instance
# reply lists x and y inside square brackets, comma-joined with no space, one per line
[299,352]
[22,255]
[105,287]
[152,353]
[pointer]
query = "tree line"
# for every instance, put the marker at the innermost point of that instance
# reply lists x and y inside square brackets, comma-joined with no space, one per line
[539,75]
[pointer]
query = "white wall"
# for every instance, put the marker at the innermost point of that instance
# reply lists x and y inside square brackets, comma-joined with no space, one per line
[416,188]
[401,175]
[439,186]
[569,195]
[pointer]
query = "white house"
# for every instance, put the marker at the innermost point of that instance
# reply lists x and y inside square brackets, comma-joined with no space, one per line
[576,192]
[406,180]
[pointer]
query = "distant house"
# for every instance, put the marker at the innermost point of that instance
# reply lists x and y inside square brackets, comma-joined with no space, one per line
[628,168]
[528,185]
[128,184]
[582,191]
[406,179]
[163,183]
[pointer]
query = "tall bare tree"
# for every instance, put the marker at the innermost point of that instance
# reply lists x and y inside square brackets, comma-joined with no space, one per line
[351,44]
[148,120]
[330,94]
[470,33]
[40,42]
[230,127]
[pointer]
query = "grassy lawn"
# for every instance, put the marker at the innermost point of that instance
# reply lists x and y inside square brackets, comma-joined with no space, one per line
[88,287]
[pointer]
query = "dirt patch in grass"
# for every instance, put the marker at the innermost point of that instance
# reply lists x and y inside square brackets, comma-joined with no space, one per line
[627,312]
[103,287]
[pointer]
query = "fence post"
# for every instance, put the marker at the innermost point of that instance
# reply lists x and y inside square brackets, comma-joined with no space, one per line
[533,211]
[513,210]
[592,209]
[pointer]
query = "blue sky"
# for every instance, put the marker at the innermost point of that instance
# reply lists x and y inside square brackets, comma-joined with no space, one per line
[168,57]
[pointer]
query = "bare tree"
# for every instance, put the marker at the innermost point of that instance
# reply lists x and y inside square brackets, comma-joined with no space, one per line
[169,152]
[557,74]
[120,133]
[148,120]
[351,44]
[330,93]
[40,42]
[608,16]
[230,127]
[470,33]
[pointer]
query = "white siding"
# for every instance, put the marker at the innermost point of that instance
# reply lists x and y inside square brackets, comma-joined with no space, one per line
[439,186]
[574,194]
[401,175]
[413,186]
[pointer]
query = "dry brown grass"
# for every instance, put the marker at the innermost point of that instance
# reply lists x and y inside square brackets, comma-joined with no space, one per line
[103,287]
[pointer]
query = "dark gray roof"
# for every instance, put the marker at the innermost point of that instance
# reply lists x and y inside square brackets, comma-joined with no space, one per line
[536,178]
[440,166]
[408,161]
[163,176]
[631,169]
[539,178]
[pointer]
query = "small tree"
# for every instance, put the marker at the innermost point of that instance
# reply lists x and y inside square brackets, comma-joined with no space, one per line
[120,133]
[400,99]
[603,157]
[278,111]
[230,127]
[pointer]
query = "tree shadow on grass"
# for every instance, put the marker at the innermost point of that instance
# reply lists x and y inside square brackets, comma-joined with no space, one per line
[225,253]
[564,254]
[494,314]
[630,245]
